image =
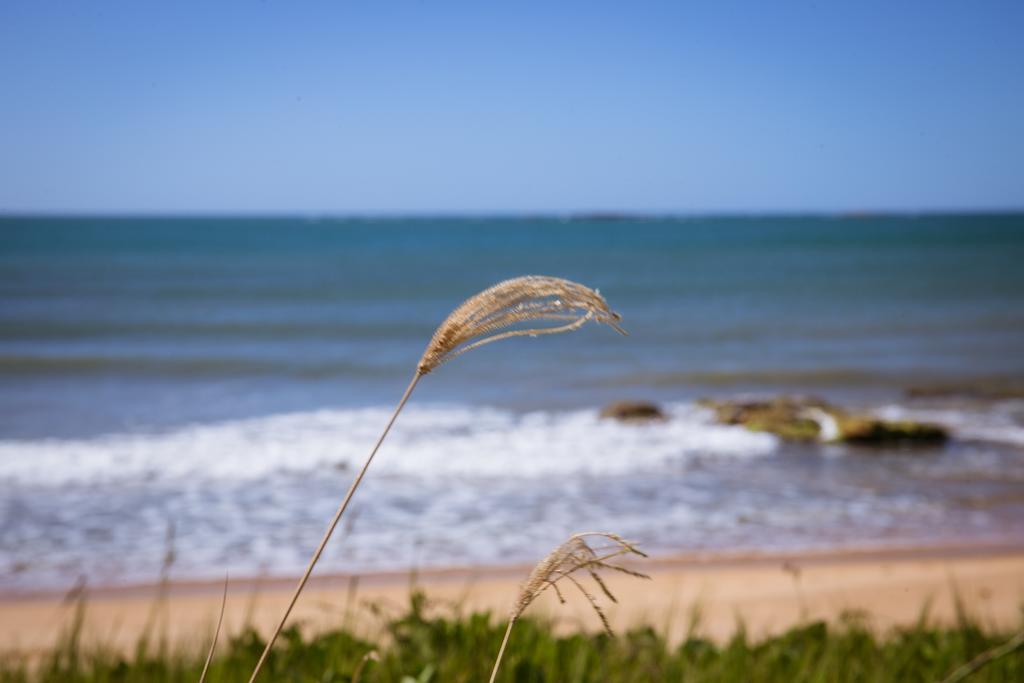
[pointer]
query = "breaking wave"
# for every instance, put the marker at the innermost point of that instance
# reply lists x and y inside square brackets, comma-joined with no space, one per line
[427,442]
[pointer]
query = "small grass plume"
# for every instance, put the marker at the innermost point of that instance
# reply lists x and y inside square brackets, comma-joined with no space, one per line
[574,555]
[531,305]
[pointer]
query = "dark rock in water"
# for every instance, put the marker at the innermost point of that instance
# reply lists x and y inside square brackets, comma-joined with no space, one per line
[871,431]
[811,419]
[633,411]
[785,416]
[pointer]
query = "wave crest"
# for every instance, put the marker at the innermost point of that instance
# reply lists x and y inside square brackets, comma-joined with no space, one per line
[431,441]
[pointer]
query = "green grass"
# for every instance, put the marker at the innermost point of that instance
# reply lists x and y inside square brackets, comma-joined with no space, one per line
[421,646]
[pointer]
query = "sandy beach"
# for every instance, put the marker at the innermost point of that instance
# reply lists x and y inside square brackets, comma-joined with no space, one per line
[769,593]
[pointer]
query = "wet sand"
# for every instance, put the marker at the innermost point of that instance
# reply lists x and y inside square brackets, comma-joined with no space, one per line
[770,593]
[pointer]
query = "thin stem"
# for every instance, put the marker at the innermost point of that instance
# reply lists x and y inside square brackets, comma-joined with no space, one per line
[985,658]
[334,523]
[216,633]
[501,652]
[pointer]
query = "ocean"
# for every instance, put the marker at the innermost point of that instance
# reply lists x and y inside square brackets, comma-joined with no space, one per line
[218,380]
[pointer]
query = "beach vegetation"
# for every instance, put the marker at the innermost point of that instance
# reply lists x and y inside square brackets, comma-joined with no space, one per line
[429,641]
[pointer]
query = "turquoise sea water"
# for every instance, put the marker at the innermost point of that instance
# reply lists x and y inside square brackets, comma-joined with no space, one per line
[195,369]
[133,323]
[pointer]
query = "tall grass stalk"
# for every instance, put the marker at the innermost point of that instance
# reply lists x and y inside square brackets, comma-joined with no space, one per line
[505,310]
[575,554]
[216,633]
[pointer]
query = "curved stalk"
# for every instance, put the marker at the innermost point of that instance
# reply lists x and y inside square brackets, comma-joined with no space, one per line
[333,524]
[501,651]
[985,658]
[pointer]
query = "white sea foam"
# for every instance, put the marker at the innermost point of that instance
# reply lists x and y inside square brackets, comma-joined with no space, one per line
[427,442]
[458,485]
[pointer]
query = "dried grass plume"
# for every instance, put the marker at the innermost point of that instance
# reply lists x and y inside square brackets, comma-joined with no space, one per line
[519,301]
[589,551]
[574,555]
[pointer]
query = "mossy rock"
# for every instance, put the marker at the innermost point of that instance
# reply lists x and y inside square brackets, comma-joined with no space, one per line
[811,419]
[783,416]
[800,429]
[633,411]
[868,431]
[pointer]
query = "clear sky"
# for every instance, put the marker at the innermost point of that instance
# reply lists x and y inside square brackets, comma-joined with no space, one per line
[436,106]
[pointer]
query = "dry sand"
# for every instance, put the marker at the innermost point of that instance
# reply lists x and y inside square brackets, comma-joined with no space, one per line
[770,594]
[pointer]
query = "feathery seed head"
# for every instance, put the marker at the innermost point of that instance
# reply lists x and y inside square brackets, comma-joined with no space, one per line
[480,319]
[573,555]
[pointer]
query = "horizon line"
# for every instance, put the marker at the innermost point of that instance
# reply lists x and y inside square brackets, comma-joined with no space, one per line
[573,215]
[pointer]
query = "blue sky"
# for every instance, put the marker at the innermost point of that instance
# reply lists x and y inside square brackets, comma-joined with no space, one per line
[393,107]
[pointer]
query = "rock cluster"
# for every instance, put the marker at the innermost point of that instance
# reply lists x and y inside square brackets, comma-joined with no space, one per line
[811,419]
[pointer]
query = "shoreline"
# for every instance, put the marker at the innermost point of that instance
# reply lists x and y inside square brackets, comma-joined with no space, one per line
[683,560]
[766,593]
